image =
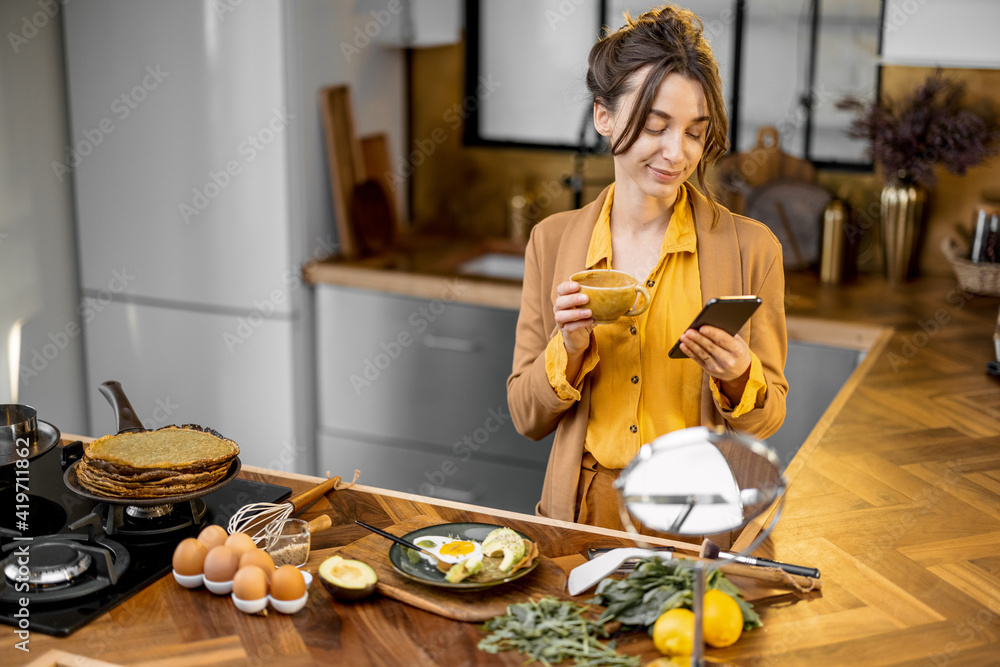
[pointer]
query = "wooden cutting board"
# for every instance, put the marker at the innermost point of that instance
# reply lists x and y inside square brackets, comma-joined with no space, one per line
[345,160]
[736,174]
[470,606]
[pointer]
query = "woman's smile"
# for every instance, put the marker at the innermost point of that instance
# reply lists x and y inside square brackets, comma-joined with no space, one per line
[666,175]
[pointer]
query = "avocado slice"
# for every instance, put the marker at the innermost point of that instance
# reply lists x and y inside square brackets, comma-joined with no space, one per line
[347,579]
[507,542]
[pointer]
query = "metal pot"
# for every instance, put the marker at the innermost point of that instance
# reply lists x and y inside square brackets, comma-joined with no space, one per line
[22,435]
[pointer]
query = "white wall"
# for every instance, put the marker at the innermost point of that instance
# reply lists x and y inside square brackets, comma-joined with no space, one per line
[38,272]
[946,33]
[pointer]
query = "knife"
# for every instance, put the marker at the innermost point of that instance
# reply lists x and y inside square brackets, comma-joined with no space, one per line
[584,576]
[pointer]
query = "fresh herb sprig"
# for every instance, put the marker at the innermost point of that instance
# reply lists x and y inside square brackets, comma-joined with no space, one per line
[550,631]
[656,586]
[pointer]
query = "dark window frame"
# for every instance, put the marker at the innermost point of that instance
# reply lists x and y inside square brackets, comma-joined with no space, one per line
[471,133]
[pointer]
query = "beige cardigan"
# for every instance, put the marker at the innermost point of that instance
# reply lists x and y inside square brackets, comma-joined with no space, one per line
[735,256]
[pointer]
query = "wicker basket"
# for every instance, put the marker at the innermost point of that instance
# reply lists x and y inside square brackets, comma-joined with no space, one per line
[977,278]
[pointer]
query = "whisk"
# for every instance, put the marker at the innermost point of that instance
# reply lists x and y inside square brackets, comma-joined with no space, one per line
[261,521]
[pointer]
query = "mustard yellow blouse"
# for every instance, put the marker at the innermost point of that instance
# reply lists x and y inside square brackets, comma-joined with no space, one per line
[637,392]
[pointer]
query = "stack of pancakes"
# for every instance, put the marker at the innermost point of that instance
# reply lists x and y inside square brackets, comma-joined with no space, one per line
[152,464]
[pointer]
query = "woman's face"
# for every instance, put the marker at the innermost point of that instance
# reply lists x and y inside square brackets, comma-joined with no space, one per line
[672,140]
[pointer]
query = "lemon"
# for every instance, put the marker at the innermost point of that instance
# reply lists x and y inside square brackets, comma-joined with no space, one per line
[672,661]
[673,632]
[722,621]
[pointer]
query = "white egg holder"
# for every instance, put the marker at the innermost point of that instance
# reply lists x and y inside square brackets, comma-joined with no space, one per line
[246,606]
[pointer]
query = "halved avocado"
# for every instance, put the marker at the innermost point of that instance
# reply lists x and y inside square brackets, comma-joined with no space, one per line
[347,579]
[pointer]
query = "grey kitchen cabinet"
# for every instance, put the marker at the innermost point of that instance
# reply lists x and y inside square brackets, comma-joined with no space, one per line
[413,392]
[407,467]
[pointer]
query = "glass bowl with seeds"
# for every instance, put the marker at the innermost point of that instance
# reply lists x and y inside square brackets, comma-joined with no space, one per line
[290,545]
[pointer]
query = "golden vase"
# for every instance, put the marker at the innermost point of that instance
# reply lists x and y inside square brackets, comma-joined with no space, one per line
[902,209]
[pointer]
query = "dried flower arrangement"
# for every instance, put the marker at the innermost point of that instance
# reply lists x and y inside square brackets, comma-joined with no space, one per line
[930,127]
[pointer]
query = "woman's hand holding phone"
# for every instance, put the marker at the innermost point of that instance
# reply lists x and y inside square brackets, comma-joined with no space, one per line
[720,355]
[714,344]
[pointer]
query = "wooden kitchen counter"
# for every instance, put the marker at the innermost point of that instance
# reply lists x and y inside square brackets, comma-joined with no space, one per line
[425,267]
[895,497]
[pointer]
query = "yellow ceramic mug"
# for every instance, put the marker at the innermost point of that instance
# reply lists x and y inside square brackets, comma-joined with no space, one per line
[612,294]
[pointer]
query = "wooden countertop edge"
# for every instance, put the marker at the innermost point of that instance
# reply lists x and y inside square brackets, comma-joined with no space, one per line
[498,513]
[449,288]
[859,336]
[816,436]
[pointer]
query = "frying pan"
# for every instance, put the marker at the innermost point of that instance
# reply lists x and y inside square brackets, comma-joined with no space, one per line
[128,422]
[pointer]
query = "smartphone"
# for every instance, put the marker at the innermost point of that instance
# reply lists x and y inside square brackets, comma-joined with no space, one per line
[728,313]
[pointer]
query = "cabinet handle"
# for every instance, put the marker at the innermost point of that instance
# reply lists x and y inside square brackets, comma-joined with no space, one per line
[451,344]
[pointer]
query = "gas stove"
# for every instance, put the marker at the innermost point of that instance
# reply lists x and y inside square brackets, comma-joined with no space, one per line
[70,558]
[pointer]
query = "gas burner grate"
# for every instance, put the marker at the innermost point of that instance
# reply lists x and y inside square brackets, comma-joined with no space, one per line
[68,566]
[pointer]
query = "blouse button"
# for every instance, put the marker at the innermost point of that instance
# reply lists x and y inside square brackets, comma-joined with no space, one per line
[650,283]
[635,379]
[633,428]
[632,329]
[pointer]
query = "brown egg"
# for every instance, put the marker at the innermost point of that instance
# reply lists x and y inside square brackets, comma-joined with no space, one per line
[240,543]
[212,536]
[221,564]
[287,583]
[189,557]
[250,583]
[261,559]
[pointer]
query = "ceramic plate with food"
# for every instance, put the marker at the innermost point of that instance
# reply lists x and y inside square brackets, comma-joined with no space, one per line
[481,555]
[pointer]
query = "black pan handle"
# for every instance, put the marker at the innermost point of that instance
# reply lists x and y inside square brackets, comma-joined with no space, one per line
[127,419]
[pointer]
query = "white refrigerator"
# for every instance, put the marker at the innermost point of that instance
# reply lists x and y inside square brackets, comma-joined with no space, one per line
[188,157]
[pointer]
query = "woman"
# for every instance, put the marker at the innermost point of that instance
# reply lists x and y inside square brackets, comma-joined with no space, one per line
[607,390]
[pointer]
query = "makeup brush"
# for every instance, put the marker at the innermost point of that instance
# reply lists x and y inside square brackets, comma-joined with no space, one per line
[710,550]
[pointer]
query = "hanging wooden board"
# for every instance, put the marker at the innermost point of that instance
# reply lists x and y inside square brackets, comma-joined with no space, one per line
[736,174]
[344,160]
